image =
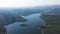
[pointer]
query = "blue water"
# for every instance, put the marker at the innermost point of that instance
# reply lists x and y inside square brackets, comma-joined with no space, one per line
[33,21]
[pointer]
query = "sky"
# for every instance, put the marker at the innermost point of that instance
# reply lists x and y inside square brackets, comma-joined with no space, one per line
[27,3]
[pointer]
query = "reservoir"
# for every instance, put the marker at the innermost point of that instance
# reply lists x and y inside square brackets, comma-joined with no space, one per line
[30,28]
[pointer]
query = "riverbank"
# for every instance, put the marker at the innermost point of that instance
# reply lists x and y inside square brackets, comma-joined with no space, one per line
[52,24]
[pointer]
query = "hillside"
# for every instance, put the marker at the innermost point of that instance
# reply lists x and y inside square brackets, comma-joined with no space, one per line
[52,24]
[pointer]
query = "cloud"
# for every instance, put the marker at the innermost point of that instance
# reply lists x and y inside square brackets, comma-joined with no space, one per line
[27,3]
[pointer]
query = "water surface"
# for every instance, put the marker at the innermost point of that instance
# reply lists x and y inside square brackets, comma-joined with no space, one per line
[33,21]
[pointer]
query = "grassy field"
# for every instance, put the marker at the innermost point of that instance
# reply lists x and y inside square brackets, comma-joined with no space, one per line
[52,24]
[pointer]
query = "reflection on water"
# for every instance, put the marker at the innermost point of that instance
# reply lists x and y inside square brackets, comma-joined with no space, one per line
[33,20]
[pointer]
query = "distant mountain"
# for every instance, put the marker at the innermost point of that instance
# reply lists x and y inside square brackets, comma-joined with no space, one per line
[29,11]
[52,10]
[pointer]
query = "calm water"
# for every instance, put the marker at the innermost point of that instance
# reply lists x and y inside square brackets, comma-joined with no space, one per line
[33,21]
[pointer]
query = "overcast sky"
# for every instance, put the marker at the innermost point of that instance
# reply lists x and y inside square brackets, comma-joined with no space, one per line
[27,3]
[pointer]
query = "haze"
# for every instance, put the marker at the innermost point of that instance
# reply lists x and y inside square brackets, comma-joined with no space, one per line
[27,3]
